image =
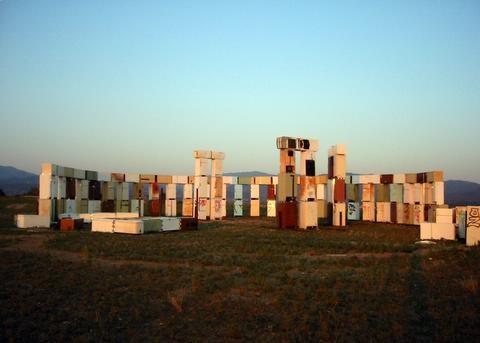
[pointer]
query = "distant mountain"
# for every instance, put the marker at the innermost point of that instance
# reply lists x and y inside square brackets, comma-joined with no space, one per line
[14,181]
[7,172]
[462,193]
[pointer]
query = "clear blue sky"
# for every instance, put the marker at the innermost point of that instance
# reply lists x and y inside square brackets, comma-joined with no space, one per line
[138,85]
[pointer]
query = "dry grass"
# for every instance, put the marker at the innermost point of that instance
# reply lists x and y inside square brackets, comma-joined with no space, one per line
[239,280]
[10,206]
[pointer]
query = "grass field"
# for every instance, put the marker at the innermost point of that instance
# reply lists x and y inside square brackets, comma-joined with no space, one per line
[236,280]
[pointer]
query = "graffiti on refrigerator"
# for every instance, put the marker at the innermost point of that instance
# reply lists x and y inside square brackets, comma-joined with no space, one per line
[473,218]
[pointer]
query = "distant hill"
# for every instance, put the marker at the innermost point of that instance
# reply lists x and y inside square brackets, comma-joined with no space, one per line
[459,192]
[14,181]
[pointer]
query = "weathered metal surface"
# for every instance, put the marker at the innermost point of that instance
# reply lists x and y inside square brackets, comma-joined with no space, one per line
[287,161]
[254,207]
[287,215]
[271,192]
[49,169]
[91,175]
[386,178]
[70,188]
[353,192]
[339,191]
[204,208]
[79,174]
[94,190]
[382,193]
[171,191]
[287,187]
[132,177]
[368,211]
[435,176]
[48,186]
[147,178]
[27,221]
[254,191]
[322,209]
[202,154]
[202,167]
[187,207]
[263,180]
[164,179]
[396,193]
[439,193]
[118,177]
[170,208]
[473,225]
[271,208]
[238,208]
[178,179]
[418,214]
[238,192]
[353,212]
[339,215]
[245,180]
[307,189]
[307,215]
[383,212]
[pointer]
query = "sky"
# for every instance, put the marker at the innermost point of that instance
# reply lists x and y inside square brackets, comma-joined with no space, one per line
[136,86]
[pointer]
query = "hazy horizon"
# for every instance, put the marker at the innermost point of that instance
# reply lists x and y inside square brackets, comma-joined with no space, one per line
[137,86]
